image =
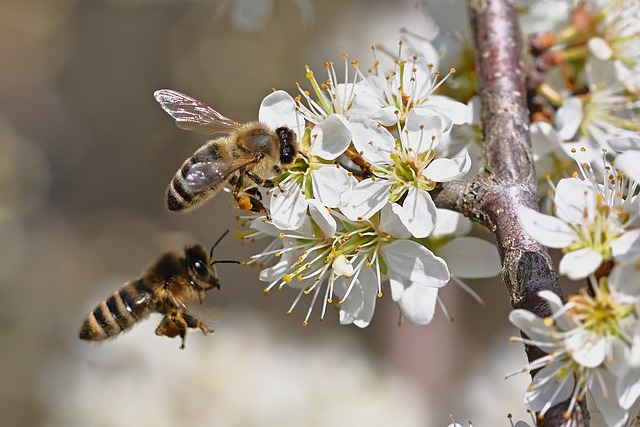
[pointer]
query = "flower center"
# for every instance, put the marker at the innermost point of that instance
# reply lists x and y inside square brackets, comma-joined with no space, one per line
[602,314]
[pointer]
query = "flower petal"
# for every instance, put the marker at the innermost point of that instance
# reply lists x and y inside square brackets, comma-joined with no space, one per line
[365,199]
[548,388]
[375,142]
[546,229]
[629,163]
[418,303]
[586,348]
[471,257]
[279,109]
[329,182]
[322,217]
[417,213]
[568,118]
[288,208]
[410,260]
[360,305]
[331,137]
[443,169]
[573,199]
[579,264]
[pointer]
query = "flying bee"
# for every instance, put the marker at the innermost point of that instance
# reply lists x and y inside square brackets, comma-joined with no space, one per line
[167,285]
[251,150]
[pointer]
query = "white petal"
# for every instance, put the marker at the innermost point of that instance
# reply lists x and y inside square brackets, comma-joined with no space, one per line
[430,123]
[604,398]
[544,138]
[410,260]
[546,229]
[625,144]
[451,223]
[600,48]
[288,209]
[586,348]
[279,109]
[360,305]
[329,182]
[418,212]
[322,217]
[626,247]
[391,224]
[568,118]
[471,257]
[365,199]
[579,264]
[628,386]
[629,163]
[264,226]
[418,303]
[375,142]
[572,199]
[456,111]
[398,285]
[530,324]
[330,138]
[541,394]
[443,169]
[625,278]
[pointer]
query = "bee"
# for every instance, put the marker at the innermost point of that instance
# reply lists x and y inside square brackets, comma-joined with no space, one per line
[251,150]
[167,285]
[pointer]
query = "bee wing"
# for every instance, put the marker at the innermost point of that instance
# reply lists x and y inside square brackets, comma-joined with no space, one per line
[191,114]
[201,176]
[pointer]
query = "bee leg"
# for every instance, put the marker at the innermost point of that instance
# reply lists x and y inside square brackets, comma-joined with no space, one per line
[270,183]
[254,191]
[194,323]
[255,178]
[267,183]
[173,325]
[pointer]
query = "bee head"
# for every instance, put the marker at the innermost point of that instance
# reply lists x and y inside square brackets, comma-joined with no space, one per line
[288,145]
[203,274]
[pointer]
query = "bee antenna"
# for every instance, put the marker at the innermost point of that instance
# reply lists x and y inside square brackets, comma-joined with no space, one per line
[226,261]
[217,242]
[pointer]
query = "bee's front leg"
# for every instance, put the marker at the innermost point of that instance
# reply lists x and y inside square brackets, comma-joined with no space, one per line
[194,323]
[266,183]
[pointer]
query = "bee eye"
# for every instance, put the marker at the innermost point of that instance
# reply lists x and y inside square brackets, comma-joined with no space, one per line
[200,269]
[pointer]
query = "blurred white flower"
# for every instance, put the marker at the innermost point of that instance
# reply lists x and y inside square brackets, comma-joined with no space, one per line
[250,373]
[593,119]
[252,15]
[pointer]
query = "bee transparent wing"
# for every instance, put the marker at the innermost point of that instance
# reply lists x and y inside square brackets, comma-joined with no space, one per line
[204,175]
[191,114]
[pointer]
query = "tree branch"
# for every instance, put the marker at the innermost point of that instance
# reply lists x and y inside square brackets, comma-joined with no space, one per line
[509,179]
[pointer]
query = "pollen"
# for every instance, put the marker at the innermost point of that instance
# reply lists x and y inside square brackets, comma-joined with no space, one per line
[379,294]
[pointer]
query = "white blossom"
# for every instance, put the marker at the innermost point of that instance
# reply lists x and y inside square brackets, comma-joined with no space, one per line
[330,255]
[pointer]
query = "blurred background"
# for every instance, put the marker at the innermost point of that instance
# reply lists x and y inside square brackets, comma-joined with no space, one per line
[85,156]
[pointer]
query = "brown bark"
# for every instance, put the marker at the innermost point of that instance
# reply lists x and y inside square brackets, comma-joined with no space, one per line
[509,179]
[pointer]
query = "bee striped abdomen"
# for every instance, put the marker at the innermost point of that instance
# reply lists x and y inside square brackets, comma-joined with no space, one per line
[120,311]
[179,196]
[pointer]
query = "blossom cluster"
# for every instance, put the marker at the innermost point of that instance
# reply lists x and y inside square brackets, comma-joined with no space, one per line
[590,92]
[592,341]
[355,210]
